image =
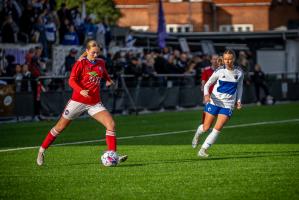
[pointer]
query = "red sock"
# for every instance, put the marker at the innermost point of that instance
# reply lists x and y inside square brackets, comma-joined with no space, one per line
[110,140]
[48,140]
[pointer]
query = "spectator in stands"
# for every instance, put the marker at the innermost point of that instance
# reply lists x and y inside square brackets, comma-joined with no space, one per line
[90,29]
[18,76]
[27,20]
[70,59]
[71,37]
[10,68]
[9,30]
[50,31]
[26,81]
[170,65]
[40,35]
[182,63]
[36,65]
[63,13]
[100,36]
[259,81]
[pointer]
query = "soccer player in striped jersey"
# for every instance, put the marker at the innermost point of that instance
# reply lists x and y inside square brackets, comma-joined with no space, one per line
[226,94]
[85,79]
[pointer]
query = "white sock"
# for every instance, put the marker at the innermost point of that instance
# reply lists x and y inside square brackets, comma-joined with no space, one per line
[210,139]
[199,130]
[42,150]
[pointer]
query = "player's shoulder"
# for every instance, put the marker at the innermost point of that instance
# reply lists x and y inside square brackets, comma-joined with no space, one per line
[220,68]
[238,69]
[207,68]
[100,60]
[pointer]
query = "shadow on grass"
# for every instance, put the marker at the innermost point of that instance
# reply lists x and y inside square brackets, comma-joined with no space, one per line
[235,157]
[247,155]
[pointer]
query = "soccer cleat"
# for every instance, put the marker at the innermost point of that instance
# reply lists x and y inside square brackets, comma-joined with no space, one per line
[202,153]
[122,158]
[40,158]
[195,140]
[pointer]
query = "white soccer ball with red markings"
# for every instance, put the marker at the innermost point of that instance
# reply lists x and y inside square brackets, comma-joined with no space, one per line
[109,159]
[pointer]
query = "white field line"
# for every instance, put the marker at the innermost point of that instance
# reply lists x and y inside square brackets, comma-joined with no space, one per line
[155,134]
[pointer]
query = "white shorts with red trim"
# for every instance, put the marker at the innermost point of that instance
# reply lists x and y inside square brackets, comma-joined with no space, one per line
[74,109]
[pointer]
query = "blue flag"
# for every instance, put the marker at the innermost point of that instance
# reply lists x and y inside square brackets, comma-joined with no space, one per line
[161,26]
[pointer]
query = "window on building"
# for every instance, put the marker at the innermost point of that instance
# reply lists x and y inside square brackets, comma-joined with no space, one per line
[236,28]
[179,28]
[140,28]
[174,1]
[187,29]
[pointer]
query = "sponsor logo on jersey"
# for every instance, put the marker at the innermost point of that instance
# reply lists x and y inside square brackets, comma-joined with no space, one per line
[94,77]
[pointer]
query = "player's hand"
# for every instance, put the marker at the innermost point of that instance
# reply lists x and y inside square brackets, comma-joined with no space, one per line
[84,93]
[109,83]
[206,99]
[238,105]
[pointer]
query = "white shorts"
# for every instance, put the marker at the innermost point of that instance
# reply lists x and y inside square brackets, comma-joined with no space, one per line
[74,109]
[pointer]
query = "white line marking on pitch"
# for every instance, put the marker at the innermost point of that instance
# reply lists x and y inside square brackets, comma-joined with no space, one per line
[154,134]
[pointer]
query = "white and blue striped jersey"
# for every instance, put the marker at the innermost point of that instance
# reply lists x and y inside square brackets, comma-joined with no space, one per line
[228,87]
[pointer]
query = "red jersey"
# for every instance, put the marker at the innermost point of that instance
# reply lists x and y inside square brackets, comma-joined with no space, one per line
[206,74]
[86,75]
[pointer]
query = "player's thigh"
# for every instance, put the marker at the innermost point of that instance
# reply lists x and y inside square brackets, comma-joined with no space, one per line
[74,109]
[105,118]
[221,121]
[62,124]
[209,118]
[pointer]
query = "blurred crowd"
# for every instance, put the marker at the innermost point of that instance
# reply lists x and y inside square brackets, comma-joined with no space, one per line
[38,21]
[45,23]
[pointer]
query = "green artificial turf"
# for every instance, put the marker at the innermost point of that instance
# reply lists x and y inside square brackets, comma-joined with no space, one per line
[256,161]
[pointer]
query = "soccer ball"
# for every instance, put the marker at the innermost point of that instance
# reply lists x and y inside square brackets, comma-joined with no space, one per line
[109,159]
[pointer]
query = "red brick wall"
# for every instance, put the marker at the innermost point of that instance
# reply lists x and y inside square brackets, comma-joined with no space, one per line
[281,13]
[262,15]
[256,15]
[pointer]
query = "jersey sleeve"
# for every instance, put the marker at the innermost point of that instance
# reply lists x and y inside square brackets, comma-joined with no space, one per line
[210,82]
[75,74]
[240,88]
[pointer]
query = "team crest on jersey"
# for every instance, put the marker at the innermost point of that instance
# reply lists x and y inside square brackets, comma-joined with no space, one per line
[66,112]
[223,76]
[94,77]
[236,77]
[100,68]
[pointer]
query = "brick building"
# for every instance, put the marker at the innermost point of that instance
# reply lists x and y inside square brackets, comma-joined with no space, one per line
[210,15]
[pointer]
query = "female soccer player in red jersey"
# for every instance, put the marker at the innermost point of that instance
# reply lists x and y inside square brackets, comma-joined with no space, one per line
[85,82]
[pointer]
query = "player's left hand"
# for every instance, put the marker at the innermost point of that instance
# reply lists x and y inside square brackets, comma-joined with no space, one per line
[238,105]
[109,83]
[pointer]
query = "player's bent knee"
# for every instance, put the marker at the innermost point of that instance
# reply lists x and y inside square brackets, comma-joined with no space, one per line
[110,125]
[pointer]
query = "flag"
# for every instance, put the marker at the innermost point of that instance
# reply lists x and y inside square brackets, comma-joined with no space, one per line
[161,26]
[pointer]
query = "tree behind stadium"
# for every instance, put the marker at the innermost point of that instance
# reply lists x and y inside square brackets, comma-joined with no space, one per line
[103,9]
